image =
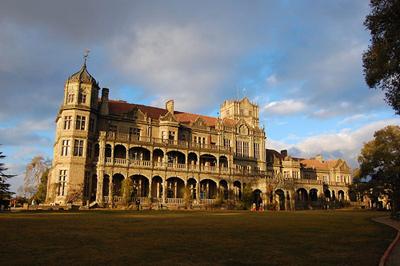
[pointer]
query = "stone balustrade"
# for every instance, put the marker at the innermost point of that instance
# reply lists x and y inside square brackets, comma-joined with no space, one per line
[179,166]
[128,138]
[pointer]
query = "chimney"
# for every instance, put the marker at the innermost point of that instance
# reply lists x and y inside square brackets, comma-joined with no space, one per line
[169,105]
[284,153]
[104,94]
[319,158]
[104,101]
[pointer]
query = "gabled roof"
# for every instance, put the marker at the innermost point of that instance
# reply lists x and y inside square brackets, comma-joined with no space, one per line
[117,107]
[325,165]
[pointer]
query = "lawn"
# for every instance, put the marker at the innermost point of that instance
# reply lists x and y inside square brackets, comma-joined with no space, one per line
[190,238]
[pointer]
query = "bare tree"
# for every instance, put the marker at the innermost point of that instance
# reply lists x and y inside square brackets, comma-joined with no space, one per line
[33,174]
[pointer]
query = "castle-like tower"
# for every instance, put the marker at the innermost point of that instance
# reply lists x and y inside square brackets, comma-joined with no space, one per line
[101,142]
[166,156]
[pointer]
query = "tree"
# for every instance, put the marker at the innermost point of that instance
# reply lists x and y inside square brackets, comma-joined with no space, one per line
[40,195]
[127,190]
[382,59]
[33,174]
[4,186]
[380,164]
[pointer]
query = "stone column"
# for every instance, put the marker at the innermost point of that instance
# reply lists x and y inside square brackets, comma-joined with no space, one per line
[164,195]
[176,189]
[99,189]
[150,189]
[198,191]
[158,190]
[110,190]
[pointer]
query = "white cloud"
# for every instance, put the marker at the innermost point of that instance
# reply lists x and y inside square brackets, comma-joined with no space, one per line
[272,80]
[285,107]
[185,63]
[345,144]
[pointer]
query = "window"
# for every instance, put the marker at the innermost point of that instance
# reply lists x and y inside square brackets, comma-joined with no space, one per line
[91,125]
[80,122]
[78,147]
[62,180]
[245,149]
[70,98]
[257,150]
[134,132]
[82,97]
[65,147]
[239,148]
[67,122]
[227,143]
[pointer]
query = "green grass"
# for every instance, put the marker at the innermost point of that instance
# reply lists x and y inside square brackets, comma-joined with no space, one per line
[173,238]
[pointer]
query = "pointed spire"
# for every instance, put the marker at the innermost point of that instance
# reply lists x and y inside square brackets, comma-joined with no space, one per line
[85,56]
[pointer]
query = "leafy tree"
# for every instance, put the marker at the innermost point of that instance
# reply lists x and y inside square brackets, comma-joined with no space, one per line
[33,174]
[127,190]
[382,59]
[247,196]
[380,164]
[4,186]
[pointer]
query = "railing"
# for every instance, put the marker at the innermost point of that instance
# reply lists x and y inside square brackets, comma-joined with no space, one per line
[181,166]
[308,181]
[175,200]
[125,137]
[117,199]
[207,201]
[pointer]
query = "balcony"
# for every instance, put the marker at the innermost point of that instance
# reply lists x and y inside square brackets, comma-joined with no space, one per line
[144,140]
[148,164]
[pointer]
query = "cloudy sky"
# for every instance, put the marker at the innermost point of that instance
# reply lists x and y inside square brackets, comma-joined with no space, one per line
[299,60]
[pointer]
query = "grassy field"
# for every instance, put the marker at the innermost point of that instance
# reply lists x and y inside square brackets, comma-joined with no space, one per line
[176,238]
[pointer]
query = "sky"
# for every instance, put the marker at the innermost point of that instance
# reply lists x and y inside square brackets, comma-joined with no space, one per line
[300,61]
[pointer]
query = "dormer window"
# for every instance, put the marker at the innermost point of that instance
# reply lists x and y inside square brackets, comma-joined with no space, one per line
[82,97]
[70,98]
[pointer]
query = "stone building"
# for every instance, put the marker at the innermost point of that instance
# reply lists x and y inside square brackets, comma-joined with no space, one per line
[167,153]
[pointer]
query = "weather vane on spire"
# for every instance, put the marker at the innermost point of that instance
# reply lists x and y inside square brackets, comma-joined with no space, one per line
[85,55]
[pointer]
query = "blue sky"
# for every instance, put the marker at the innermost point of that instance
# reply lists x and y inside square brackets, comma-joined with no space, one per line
[299,60]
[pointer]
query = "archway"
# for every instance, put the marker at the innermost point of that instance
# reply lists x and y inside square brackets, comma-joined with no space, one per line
[139,153]
[302,194]
[158,157]
[327,194]
[176,157]
[192,185]
[223,162]
[341,195]
[108,151]
[208,160]
[120,151]
[156,187]
[93,191]
[192,160]
[106,186]
[117,184]
[96,150]
[208,189]
[280,197]
[237,190]
[140,186]
[314,194]
[257,198]
[223,188]
[175,187]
